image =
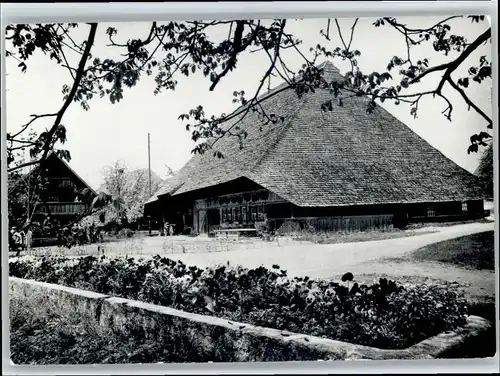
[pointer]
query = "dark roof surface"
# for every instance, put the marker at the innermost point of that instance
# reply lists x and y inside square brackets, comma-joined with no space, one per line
[341,157]
[53,155]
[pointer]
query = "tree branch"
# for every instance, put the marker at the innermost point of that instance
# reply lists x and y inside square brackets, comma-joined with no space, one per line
[451,66]
[469,102]
[59,45]
[238,46]
[22,165]
[76,83]
[26,126]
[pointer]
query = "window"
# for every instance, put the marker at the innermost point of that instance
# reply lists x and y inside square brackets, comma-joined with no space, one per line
[464,207]
[261,213]
[430,212]
[244,214]
[237,214]
[254,213]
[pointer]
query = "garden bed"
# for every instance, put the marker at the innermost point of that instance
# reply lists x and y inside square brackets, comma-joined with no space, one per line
[53,324]
[384,315]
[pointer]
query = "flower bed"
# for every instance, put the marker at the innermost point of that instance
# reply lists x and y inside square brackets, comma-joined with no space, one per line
[383,315]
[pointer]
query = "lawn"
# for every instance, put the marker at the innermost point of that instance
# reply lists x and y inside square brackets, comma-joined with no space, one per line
[475,251]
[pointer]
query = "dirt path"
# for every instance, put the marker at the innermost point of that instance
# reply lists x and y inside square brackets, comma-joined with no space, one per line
[366,260]
[327,260]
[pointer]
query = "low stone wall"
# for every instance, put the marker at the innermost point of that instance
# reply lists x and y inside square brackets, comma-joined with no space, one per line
[200,338]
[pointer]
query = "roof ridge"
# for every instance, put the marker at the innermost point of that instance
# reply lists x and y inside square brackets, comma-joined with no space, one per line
[281,87]
[53,154]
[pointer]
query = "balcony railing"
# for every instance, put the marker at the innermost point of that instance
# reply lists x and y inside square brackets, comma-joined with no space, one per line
[60,208]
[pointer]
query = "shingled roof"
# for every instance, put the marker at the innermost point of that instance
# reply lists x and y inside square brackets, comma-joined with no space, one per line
[53,155]
[335,158]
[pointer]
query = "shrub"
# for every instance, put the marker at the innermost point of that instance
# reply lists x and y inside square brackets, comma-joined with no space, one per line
[384,315]
[125,233]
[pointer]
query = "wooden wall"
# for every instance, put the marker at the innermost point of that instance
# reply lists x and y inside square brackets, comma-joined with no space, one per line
[209,207]
[332,224]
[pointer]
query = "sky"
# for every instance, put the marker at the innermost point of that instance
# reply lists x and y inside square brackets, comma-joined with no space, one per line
[110,132]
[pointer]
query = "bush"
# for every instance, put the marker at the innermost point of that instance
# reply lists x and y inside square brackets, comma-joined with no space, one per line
[383,315]
[125,233]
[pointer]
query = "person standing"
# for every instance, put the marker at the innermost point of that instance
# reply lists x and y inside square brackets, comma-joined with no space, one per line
[74,234]
[28,237]
[92,233]
[12,239]
[81,234]
[88,236]
[18,241]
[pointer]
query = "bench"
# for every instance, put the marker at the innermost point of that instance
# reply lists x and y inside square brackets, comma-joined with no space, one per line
[233,233]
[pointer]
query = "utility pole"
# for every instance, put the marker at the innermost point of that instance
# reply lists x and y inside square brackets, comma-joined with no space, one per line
[28,236]
[149,163]
[149,177]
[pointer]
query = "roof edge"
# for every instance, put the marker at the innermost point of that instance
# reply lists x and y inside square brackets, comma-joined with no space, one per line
[74,172]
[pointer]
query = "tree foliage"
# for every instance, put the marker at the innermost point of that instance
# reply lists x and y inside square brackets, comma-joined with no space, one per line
[129,190]
[24,191]
[485,170]
[174,49]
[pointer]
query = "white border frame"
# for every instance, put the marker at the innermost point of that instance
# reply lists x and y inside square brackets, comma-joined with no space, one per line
[122,12]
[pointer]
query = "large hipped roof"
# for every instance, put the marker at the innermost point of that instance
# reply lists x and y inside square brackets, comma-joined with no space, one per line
[341,157]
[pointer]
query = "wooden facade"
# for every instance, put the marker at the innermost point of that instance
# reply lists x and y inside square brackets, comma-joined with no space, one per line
[242,204]
[237,210]
[59,199]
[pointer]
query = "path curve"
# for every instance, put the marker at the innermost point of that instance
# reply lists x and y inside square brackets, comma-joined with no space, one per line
[327,260]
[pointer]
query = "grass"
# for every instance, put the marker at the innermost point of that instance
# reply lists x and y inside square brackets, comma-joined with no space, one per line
[355,237]
[46,329]
[46,334]
[472,251]
[419,225]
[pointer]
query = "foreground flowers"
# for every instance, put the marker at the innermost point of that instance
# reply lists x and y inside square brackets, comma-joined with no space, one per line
[383,315]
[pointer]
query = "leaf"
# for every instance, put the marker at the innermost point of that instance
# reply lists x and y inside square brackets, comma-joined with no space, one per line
[464,82]
[210,304]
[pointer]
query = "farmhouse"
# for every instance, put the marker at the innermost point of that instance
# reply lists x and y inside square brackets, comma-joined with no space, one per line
[344,170]
[59,197]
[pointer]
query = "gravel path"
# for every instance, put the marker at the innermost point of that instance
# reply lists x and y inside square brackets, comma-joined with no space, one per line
[366,260]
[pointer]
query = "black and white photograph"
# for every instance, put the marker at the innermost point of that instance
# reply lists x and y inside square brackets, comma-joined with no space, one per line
[250,190]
